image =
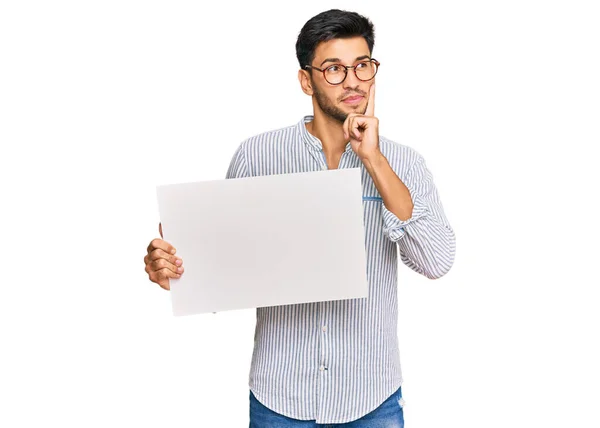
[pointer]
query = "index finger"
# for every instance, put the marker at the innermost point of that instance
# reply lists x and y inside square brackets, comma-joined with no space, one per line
[161,244]
[370,111]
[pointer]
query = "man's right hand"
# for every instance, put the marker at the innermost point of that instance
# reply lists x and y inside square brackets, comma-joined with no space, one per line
[161,262]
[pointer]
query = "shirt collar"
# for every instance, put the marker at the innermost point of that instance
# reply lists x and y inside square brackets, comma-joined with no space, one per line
[310,140]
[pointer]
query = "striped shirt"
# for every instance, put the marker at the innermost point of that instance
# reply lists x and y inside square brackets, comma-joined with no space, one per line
[336,361]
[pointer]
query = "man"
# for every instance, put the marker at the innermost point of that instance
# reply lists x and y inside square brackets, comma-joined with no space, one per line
[337,362]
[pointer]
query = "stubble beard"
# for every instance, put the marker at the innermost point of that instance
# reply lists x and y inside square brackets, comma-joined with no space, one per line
[329,108]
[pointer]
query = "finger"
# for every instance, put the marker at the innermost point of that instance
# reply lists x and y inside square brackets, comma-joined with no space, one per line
[163,245]
[160,230]
[351,127]
[162,264]
[163,277]
[357,125]
[346,125]
[164,283]
[160,254]
[370,111]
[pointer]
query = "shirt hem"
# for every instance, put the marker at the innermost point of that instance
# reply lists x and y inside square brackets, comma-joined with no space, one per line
[352,418]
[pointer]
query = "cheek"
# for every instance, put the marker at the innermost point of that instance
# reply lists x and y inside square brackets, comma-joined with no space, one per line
[329,93]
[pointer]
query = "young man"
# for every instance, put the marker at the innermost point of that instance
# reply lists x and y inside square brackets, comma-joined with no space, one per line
[337,362]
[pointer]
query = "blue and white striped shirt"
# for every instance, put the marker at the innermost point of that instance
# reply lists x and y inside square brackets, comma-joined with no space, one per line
[336,361]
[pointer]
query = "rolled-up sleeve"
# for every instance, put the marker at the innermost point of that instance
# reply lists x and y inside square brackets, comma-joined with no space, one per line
[426,240]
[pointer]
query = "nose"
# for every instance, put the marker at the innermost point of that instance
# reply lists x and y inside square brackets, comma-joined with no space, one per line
[351,80]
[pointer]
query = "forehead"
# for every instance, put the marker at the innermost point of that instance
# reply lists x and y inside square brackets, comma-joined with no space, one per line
[347,50]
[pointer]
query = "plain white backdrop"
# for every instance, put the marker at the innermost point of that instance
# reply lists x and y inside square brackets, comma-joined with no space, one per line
[102,101]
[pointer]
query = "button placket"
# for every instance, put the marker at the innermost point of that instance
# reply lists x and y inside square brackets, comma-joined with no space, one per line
[324,167]
[321,386]
[324,337]
[322,340]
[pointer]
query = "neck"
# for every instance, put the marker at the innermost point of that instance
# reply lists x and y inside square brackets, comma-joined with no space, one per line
[329,131]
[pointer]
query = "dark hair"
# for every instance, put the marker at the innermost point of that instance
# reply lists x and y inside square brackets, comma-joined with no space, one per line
[332,24]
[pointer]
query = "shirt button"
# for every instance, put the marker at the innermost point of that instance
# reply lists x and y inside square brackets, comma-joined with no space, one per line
[322,368]
[324,328]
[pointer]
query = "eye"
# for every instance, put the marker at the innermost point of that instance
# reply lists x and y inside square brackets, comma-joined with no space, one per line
[362,65]
[336,68]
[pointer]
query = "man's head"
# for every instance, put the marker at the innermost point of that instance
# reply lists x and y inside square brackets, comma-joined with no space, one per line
[330,38]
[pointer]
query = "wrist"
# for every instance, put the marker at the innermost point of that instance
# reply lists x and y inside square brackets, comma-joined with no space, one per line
[374,161]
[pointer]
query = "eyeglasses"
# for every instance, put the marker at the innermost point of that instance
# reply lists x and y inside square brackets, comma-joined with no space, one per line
[337,73]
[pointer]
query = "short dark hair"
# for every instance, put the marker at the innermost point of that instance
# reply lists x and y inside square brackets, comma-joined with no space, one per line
[332,24]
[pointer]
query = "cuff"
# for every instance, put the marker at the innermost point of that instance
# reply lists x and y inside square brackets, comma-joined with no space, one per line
[393,227]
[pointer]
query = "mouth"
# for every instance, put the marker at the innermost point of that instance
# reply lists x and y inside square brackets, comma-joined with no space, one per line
[353,100]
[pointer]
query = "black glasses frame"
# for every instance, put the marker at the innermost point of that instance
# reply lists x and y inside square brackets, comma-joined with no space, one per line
[346,67]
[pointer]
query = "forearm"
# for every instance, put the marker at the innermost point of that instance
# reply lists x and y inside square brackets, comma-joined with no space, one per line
[393,191]
[426,240]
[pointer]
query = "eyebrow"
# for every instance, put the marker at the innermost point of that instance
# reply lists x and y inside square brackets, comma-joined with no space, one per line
[339,60]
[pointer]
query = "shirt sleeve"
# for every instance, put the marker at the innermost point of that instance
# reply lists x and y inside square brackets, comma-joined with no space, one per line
[426,240]
[238,167]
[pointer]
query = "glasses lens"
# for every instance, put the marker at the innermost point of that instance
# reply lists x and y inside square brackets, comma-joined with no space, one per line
[366,70]
[335,74]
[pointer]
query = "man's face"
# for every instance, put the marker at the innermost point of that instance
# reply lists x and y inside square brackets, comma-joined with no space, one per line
[350,96]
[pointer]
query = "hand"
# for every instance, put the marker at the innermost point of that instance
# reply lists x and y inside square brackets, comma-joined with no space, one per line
[363,130]
[161,262]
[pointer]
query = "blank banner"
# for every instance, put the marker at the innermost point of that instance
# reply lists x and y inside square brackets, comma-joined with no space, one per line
[266,241]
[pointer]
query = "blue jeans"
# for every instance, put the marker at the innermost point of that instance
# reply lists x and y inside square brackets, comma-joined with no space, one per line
[388,415]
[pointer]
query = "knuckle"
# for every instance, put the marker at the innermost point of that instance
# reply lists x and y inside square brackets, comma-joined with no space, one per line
[156,253]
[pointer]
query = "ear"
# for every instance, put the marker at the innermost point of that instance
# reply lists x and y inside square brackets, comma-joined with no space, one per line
[305,82]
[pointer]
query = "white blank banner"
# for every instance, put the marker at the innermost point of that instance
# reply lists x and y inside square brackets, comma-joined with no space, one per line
[265,241]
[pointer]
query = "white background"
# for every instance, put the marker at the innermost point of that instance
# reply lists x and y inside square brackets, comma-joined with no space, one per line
[102,101]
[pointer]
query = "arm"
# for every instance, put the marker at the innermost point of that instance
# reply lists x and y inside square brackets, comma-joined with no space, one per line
[425,238]
[412,211]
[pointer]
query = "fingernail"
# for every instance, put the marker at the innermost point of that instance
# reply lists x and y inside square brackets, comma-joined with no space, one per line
[173,251]
[178,262]
[179,269]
